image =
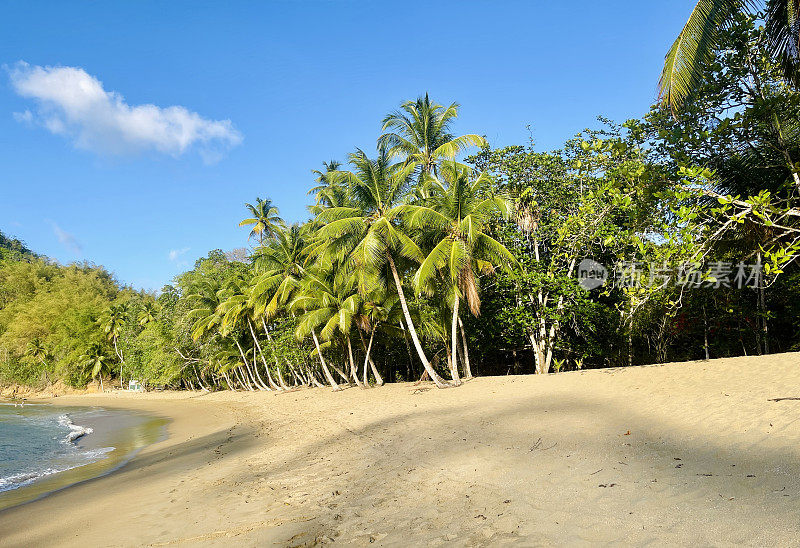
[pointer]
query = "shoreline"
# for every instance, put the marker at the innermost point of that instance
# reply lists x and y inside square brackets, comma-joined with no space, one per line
[675,454]
[116,432]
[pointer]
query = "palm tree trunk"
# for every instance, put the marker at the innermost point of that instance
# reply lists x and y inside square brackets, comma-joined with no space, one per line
[411,368]
[368,349]
[454,339]
[248,375]
[263,359]
[467,368]
[328,375]
[274,354]
[313,378]
[121,361]
[231,386]
[425,363]
[280,379]
[353,370]
[237,374]
[378,379]
[247,371]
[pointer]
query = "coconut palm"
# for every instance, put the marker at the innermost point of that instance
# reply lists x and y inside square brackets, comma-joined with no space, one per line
[37,350]
[420,132]
[149,313]
[281,264]
[113,322]
[96,362]
[455,221]
[380,311]
[265,220]
[369,233]
[326,191]
[695,46]
[330,302]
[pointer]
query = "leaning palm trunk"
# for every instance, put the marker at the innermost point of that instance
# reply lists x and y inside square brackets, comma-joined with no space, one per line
[345,378]
[368,359]
[242,380]
[121,362]
[228,381]
[325,369]
[425,363]
[313,378]
[248,374]
[263,360]
[353,370]
[454,346]
[274,354]
[467,368]
[280,379]
[366,356]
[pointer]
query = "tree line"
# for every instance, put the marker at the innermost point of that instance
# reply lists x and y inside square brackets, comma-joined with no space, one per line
[438,257]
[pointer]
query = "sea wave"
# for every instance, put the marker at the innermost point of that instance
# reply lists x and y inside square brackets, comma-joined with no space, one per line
[76,431]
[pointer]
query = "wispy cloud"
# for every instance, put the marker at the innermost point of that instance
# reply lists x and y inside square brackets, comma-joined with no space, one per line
[73,103]
[69,241]
[25,117]
[175,253]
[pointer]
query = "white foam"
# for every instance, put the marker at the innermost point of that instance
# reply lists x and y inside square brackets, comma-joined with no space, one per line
[76,431]
[20,480]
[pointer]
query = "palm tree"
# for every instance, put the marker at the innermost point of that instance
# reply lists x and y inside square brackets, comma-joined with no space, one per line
[330,302]
[420,131]
[379,311]
[149,313]
[265,220]
[96,362]
[281,263]
[369,233]
[38,350]
[113,322]
[695,46]
[326,190]
[455,220]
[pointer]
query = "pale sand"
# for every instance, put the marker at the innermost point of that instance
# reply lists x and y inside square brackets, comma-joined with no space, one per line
[678,454]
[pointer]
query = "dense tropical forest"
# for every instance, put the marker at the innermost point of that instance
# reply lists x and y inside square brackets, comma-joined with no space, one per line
[439,257]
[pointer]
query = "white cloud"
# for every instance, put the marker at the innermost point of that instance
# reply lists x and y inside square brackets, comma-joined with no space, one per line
[175,253]
[69,241]
[73,103]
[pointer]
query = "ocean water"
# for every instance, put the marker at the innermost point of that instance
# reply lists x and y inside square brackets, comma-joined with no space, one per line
[37,441]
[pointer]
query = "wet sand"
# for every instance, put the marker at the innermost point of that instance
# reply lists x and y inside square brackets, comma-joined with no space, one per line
[119,434]
[691,453]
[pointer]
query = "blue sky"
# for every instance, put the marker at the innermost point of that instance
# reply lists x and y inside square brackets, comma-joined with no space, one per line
[266,92]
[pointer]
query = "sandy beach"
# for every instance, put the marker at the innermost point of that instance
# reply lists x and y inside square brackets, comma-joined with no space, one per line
[690,453]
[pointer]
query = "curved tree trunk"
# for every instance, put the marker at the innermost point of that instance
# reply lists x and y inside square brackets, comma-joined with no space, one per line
[454,344]
[425,363]
[378,378]
[263,359]
[121,362]
[313,378]
[242,380]
[230,384]
[248,371]
[274,354]
[328,375]
[353,369]
[467,368]
[367,350]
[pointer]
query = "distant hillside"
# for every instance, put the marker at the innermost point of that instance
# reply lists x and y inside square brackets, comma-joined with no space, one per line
[11,248]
